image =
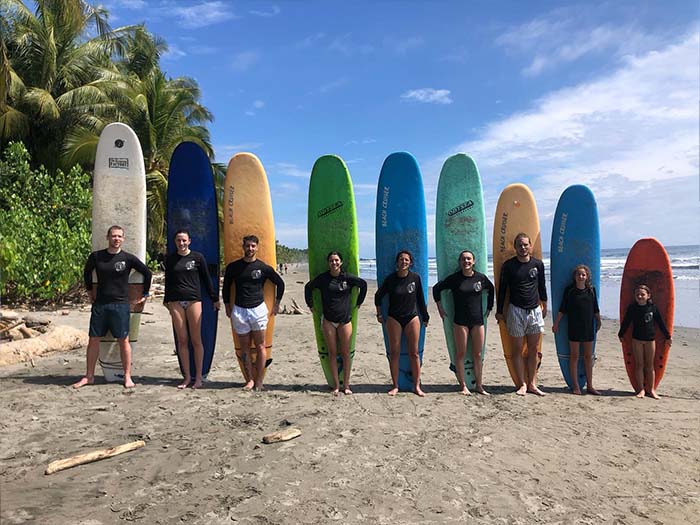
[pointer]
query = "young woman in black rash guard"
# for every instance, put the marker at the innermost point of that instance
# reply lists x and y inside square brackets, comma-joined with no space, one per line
[185,271]
[335,286]
[580,304]
[467,286]
[407,309]
[642,314]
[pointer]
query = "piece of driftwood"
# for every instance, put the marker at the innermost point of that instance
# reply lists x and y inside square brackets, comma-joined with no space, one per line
[296,309]
[10,327]
[89,457]
[59,339]
[281,435]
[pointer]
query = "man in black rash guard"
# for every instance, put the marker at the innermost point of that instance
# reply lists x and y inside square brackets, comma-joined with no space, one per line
[249,313]
[110,301]
[523,277]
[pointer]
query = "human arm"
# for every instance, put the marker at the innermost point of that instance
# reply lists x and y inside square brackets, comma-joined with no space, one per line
[87,275]
[502,287]
[279,288]
[486,283]
[420,298]
[226,292]
[596,310]
[555,325]
[626,320]
[378,296]
[362,286]
[308,293]
[141,268]
[205,276]
[661,324]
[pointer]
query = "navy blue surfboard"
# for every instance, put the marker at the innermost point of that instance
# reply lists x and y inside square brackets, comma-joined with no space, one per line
[401,225]
[192,206]
[575,240]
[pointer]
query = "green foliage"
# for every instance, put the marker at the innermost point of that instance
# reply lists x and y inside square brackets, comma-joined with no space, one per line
[44,228]
[290,255]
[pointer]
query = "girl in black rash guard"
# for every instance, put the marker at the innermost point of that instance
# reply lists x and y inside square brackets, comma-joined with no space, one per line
[185,270]
[335,287]
[467,286]
[406,310]
[643,314]
[580,304]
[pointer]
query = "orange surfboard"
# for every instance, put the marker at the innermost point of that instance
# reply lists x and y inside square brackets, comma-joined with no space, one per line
[516,212]
[248,211]
[648,263]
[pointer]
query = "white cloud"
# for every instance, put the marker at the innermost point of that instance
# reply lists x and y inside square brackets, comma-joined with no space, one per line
[202,14]
[345,45]
[334,84]
[402,46]
[310,40]
[173,53]
[274,11]
[132,4]
[368,140]
[258,104]
[291,170]
[631,135]
[428,96]
[244,60]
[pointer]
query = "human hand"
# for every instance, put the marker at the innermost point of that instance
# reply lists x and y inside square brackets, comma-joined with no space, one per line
[380,319]
[275,308]
[217,305]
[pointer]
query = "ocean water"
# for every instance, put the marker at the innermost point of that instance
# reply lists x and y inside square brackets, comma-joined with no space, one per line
[685,263]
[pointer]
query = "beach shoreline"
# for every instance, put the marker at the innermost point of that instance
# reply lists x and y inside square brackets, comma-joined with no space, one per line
[361,458]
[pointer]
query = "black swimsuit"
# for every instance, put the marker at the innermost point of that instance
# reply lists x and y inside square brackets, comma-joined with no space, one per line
[406,299]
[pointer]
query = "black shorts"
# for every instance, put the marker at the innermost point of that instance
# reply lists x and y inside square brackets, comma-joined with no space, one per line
[404,320]
[469,323]
[112,317]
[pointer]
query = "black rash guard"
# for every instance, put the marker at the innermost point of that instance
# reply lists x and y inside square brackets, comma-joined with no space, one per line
[113,275]
[249,278]
[467,293]
[184,276]
[643,319]
[406,298]
[335,295]
[580,307]
[526,283]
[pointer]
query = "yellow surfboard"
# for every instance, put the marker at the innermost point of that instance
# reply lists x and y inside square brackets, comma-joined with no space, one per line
[516,212]
[248,211]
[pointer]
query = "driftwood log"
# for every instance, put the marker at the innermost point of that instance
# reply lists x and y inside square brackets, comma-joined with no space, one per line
[281,435]
[59,339]
[89,457]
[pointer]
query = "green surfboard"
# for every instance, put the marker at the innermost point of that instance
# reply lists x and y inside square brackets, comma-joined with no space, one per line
[332,226]
[460,224]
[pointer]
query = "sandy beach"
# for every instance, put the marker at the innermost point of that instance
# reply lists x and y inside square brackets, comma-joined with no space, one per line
[365,458]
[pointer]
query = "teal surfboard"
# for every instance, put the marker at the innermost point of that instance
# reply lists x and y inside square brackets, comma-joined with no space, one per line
[332,226]
[460,224]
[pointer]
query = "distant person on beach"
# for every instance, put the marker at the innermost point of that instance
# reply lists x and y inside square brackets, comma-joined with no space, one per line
[335,286]
[643,314]
[467,287]
[249,313]
[110,301]
[580,305]
[407,309]
[286,268]
[185,272]
[523,278]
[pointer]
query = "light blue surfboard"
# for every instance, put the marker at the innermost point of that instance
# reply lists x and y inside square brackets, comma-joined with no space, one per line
[401,225]
[575,240]
[192,206]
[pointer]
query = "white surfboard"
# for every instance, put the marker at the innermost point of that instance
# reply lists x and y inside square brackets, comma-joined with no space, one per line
[119,198]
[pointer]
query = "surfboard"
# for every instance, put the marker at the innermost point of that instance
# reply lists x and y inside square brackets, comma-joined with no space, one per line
[192,206]
[516,212]
[119,198]
[401,225]
[460,224]
[575,240]
[648,263]
[332,226]
[248,211]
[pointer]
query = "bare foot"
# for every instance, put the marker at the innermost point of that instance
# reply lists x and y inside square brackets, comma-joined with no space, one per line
[335,391]
[249,385]
[653,394]
[640,394]
[197,384]
[521,391]
[128,383]
[185,383]
[465,391]
[576,391]
[259,388]
[537,391]
[347,391]
[592,391]
[480,390]
[393,391]
[84,381]
[418,391]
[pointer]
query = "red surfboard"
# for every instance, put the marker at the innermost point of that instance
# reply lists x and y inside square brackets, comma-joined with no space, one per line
[648,263]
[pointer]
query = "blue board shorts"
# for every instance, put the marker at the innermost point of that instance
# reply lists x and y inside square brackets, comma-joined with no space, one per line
[113,317]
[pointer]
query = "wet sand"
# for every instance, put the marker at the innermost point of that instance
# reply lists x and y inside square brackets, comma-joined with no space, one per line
[365,458]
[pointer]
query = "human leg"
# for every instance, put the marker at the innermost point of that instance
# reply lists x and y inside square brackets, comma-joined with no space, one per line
[179,320]
[344,339]
[460,336]
[573,367]
[533,343]
[412,331]
[244,341]
[477,335]
[194,322]
[330,336]
[259,341]
[93,351]
[125,354]
[588,365]
[638,352]
[649,374]
[393,329]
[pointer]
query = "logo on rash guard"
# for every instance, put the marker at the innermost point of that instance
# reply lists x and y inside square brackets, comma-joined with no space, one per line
[648,317]
[343,285]
[411,287]
[477,286]
[256,274]
[120,266]
[190,265]
[533,273]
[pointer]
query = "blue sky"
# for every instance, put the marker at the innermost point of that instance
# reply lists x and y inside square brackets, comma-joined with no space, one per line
[546,93]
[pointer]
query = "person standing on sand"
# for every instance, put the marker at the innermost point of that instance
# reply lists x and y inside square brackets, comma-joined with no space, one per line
[185,272]
[110,301]
[468,287]
[523,277]
[336,323]
[407,309]
[249,313]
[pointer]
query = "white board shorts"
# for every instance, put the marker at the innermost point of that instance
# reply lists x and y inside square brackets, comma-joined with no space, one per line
[246,320]
[522,322]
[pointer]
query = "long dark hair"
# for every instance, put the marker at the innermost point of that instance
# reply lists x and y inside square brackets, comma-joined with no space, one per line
[410,257]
